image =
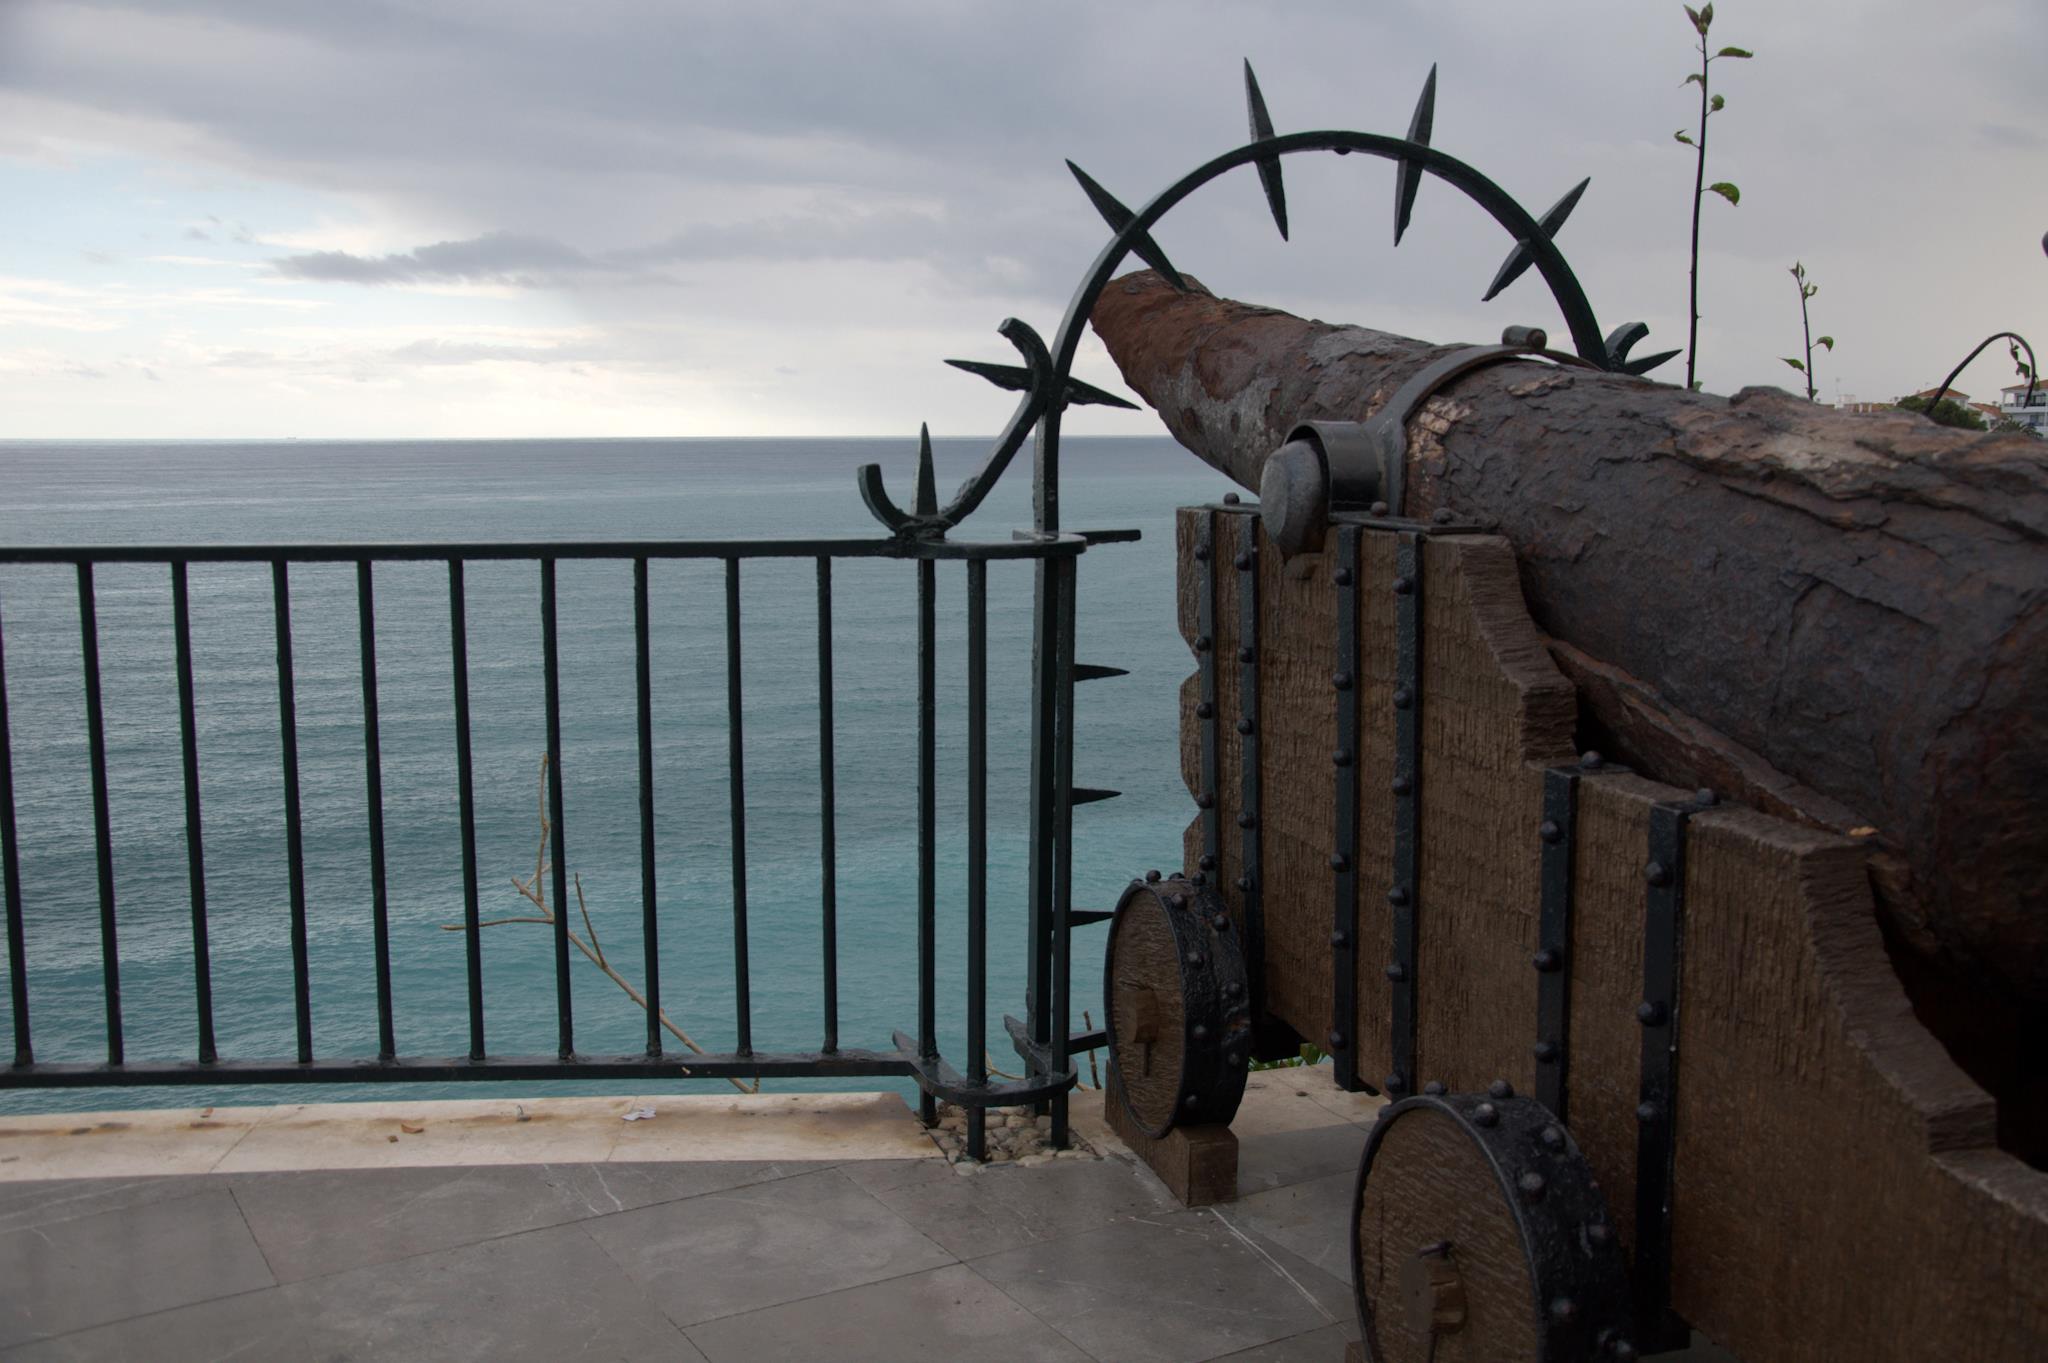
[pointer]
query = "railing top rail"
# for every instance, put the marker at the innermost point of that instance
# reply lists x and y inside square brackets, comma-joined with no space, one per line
[831,546]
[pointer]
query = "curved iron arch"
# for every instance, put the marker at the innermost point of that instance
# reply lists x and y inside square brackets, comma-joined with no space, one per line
[1048,370]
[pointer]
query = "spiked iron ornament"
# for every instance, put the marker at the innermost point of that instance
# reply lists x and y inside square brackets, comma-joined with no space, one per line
[1046,379]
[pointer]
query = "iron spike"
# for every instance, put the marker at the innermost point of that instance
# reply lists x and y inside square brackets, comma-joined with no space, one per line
[1016,379]
[927,499]
[1118,217]
[1521,258]
[1623,339]
[1083,795]
[1098,672]
[1408,174]
[1268,166]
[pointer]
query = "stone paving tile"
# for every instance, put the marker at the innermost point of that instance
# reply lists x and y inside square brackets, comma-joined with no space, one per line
[544,1295]
[314,1223]
[941,1316]
[255,1325]
[1280,1158]
[42,1203]
[1003,1207]
[1312,1219]
[1330,1293]
[1176,1288]
[67,1275]
[1317,1346]
[725,1253]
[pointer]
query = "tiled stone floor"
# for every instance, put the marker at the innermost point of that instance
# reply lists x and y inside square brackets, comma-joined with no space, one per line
[887,1260]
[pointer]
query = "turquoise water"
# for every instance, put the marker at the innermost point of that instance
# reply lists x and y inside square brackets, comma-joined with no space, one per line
[80,493]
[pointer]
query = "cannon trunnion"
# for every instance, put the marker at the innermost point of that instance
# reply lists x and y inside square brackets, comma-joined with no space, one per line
[1647,1061]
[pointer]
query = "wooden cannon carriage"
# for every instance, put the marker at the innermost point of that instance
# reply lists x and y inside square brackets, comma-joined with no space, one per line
[1647,1058]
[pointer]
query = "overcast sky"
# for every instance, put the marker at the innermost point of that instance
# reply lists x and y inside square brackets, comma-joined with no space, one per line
[351,218]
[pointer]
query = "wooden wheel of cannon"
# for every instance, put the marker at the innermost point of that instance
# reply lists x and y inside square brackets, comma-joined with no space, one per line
[1176,1004]
[1478,1233]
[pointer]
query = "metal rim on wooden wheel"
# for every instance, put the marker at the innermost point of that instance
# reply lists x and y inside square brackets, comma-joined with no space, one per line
[1478,1233]
[1176,1005]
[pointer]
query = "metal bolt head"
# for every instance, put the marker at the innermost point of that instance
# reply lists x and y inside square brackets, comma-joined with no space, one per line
[1336,1040]
[1339,862]
[1652,1013]
[1342,577]
[1221,922]
[1207,863]
[1204,710]
[1379,508]
[1648,1112]
[1244,726]
[1191,1102]
[1341,757]
[1549,831]
[1552,1137]
[1244,563]
[1398,896]
[1198,1032]
[1533,1185]
[1201,553]
[1706,797]
[1657,873]
[1401,785]
[1486,1114]
[1201,643]
[1500,1088]
[1247,819]
[1403,698]
[1564,1310]
[1403,585]
[1245,655]
[1198,880]
[1196,960]
[1591,761]
[1230,499]
[1394,1083]
[1232,990]
[1151,877]
[1435,1088]
[1338,939]
[1244,882]
[1545,1052]
[1599,1234]
[1205,800]
[1341,680]
[1443,515]
[1621,1351]
[1176,901]
[1397,972]
[1547,960]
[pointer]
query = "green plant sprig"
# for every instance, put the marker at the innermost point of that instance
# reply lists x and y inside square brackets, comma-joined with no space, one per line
[1710,104]
[1807,290]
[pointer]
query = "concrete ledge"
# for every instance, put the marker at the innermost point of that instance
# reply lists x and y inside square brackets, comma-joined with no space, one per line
[793,1127]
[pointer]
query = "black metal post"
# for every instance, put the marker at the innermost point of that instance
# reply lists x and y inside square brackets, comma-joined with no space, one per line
[373,778]
[1344,842]
[102,822]
[737,793]
[643,687]
[465,781]
[828,834]
[927,824]
[1063,846]
[294,841]
[195,849]
[10,868]
[977,847]
[1407,786]
[551,674]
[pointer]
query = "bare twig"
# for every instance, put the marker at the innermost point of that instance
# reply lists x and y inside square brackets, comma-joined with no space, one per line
[1094,1075]
[534,891]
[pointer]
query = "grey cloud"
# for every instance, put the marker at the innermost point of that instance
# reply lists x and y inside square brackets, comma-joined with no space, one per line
[495,257]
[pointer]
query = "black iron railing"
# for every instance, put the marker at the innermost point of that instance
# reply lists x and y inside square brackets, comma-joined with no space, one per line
[1043,1038]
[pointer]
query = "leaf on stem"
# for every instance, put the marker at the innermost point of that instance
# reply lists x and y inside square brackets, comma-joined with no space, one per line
[1735,52]
[1694,79]
[1726,191]
[1827,341]
[1706,18]
[1716,104]
[1794,363]
[1685,137]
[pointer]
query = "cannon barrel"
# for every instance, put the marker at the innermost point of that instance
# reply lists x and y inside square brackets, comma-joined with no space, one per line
[1837,618]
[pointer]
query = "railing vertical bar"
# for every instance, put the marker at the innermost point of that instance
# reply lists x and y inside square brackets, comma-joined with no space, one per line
[828,833]
[294,843]
[927,822]
[643,677]
[1044,695]
[1063,845]
[373,781]
[1344,849]
[977,843]
[102,822]
[195,847]
[465,781]
[737,792]
[10,868]
[551,674]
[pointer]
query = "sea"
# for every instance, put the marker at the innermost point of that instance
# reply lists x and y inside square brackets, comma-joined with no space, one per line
[114,493]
